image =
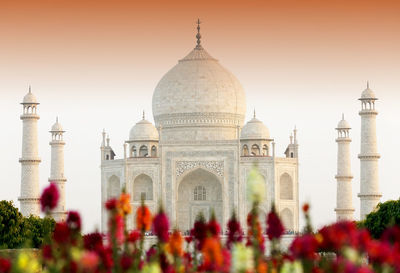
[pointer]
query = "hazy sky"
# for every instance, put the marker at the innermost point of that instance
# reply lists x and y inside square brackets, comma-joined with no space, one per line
[95,64]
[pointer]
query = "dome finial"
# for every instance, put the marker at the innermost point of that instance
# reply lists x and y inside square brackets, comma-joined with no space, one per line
[367,84]
[56,119]
[198,36]
[143,117]
[30,89]
[254,113]
[342,116]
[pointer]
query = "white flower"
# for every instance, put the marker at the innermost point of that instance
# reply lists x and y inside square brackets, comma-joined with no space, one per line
[242,257]
[255,186]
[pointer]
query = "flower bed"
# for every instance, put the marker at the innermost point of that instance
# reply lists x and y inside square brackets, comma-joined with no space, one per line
[340,247]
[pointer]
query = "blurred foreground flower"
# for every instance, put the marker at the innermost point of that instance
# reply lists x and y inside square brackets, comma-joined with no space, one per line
[49,198]
[255,186]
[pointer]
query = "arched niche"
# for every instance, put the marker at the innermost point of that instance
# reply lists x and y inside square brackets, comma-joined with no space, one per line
[255,149]
[199,191]
[287,219]
[153,151]
[286,187]
[245,150]
[142,188]
[143,151]
[114,188]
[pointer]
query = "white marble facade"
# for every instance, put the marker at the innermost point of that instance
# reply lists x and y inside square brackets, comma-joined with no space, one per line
[197,155]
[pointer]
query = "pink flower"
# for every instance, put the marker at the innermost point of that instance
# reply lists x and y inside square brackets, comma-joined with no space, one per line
[89,261]
[49,198]
[161,226]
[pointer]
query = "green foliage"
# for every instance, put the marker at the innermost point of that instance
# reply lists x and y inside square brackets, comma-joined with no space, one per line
[37,229]
[17,231]
[11,225]
[387,214]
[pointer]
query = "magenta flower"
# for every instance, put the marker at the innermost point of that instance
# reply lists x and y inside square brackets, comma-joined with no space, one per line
[74,221]
[161,226]
[49,198]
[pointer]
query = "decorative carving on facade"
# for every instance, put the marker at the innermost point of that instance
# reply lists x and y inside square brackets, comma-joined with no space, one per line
[216,167]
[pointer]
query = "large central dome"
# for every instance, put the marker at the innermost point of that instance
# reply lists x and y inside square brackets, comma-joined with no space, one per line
[199,92]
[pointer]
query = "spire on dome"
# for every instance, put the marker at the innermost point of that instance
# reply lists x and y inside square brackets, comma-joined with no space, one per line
[143,117]
[367,84]
[198,36]
[254,113]
[56,119]
[30,89]
[342,116]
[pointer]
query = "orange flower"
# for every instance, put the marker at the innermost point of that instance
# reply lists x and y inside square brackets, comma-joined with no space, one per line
[175,245]
[143,218]
[212,253]
[124,205]
[262,267]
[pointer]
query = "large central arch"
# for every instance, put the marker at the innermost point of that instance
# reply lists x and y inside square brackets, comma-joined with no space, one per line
[199,191]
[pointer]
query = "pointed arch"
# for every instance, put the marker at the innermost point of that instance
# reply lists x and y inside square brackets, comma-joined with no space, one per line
[245,150]
[287,219]
[198,191]
[143,151]
[114,188]
[286,187]
[142,188]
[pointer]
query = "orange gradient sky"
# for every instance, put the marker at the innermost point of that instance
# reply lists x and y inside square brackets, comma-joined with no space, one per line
[96,63]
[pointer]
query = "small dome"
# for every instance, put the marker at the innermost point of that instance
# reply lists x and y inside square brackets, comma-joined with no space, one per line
[57,127]
[30,98]
[254,129]
[343,124]
[368,93]
[143,130]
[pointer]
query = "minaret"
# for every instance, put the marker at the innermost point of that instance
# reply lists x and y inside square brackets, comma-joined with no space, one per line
[344,204]
[57,169]
[29,198]
[369,180]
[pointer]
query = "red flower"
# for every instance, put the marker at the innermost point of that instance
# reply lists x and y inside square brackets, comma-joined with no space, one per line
[188,239]
[5,265]
[161,226]
[340,234]
[74,220]
[134,236]
[213,227]
[304,247]
[49,198]
[111,204]
[93,241]
[117,225]
[306,207]
[126,262]
[46,252]
[275,228]
[199,231]
[234,232]
[61,233]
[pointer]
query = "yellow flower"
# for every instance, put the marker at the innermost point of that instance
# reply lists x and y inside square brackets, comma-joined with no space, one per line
[151,268]
[27,263]
[255,186]
[242,257]
[76,253]
[292,267]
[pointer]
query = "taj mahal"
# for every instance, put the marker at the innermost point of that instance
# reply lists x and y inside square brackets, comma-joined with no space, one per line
[197,156]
